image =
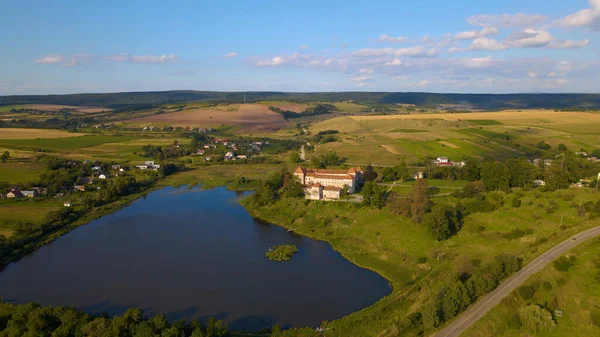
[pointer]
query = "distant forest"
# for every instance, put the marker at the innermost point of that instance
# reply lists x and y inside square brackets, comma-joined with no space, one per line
[145,100]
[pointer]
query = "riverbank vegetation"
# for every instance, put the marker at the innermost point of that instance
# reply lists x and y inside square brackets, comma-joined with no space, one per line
[281,253]
[425,246]
[34,320]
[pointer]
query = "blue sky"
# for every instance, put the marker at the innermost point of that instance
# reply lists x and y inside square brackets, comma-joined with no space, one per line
[491,46]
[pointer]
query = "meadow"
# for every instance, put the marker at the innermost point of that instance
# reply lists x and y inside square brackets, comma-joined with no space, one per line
[501,135]
[63,143]
[22,133]
[574,291]
[415,264]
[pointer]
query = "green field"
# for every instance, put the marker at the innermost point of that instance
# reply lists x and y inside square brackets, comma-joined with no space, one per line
[25,210]
[15,172]
[575,292]
[64,143]
[395,246]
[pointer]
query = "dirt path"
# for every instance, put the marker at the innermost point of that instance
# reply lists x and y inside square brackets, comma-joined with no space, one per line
[481,307]
[302,153]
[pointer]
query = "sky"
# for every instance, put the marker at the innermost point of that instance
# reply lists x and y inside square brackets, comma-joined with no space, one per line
[459,46]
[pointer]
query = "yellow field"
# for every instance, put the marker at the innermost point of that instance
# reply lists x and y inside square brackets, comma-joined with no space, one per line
[532,116]
[16,133]
[385,139]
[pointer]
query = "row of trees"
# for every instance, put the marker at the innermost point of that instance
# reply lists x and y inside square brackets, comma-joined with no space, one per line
[34,320]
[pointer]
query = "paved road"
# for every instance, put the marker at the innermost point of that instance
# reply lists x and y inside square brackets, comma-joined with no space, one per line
[481,307]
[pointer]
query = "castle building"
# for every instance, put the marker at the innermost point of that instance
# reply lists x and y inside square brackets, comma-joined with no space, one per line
[321,183]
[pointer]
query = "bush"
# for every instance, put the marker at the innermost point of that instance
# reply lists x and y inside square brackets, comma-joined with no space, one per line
[281,253]
[535,318]
[564,263]
[525,292]
[422,260]
[516,202]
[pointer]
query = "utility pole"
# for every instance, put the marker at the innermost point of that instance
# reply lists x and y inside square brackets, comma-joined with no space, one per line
[244,97]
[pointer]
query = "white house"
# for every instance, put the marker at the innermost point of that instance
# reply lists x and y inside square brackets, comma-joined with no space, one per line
[229,155]
[418,175]
[96,168]
[539,183]
[67,204]
[103,176]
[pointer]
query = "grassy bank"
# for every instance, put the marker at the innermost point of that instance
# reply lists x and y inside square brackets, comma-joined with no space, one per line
[575,291]
[415,264]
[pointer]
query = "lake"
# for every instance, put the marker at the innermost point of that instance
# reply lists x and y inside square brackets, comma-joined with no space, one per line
[192,254]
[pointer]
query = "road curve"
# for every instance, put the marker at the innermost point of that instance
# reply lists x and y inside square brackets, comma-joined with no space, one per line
[487,302]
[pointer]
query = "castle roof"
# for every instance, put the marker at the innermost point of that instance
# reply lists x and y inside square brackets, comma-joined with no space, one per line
[332,188]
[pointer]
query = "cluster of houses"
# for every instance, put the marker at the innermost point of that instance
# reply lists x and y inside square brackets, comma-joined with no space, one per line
[321,184]
[232,147]
[189,129]
[148,165]
[445,162]
[15,192]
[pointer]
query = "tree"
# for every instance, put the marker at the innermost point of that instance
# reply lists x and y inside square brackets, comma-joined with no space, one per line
[373,195]
[295,157]
[562,147]
[495,175]
[441,222]
[369,174]
[5,156]
[471,170]
[419,200]
[536,319]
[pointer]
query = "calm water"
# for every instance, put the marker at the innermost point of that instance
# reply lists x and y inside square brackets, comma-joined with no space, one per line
[192,254]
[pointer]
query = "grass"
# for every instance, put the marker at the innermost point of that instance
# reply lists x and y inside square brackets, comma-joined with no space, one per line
[20,133]
[25,210]
[7,108]
[64,143]
[576,292]
[19,172]
[395,247]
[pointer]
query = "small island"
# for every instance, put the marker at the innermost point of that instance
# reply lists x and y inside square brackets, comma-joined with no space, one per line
[281,253]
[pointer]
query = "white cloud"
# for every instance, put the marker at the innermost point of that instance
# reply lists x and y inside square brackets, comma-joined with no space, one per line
[507,20]
[64,60]
[148,59]
[552,74]
[531,74]
[395,62]
[568,44]
[479,62]
[275,61]
[416,51]
[360,78]
[474,34]
[400,78]
[455,50]
[484,43]
[530,38]
[585,17]
[398,39]
[365,71]
[303,47]
[232,54]
[50,59]
[151,59]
